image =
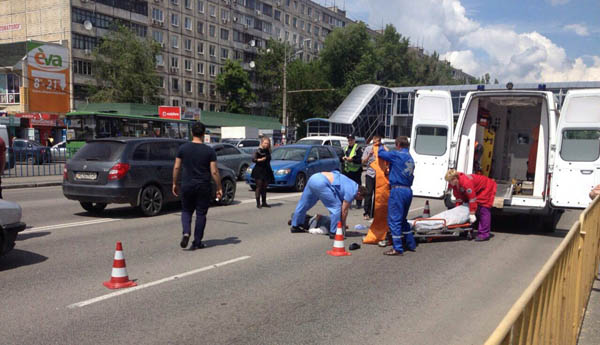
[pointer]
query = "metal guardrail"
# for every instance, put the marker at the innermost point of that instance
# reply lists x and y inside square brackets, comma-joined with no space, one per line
[551,309]
[35,163]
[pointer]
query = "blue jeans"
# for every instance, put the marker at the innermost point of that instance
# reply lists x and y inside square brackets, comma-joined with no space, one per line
[318,188]
[398,206]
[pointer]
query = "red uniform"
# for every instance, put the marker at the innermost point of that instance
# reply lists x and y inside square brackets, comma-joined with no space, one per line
[477,190]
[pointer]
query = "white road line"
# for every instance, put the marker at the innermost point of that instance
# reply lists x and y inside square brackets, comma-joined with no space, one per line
[69,225]
[147,285]
[272,198]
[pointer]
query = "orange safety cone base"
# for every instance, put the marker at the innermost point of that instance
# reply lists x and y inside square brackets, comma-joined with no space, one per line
[113,285]
[333,252]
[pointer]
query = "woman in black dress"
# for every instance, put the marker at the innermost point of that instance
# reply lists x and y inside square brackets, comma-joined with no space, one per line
[262,172]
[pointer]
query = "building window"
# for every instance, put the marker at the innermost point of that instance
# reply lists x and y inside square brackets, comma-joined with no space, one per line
[188,104]
[158,36]
[225,34]
[224,15]
[295,22]
[174,62]
[308,27]
[224,53]
[287,36]
[160,61]
[200,67]
[267,27]
[310,11]
[157,14]
[200,27]
[316,31]
[174,19]
[200,89]
[188,44]
[303,8]
[212,10]
[175,41]
[175,2]
[211,30]
[302,25]
[161,83]
[287,19]
[81,67]
[211,50]
[200,6]
[212,107]
[188,4]
[175,102]
[277,15]
[84,42]
[200,47]
[187,64]
[212,70]
[175,84]
[200,105]
[188,23]
[188,86]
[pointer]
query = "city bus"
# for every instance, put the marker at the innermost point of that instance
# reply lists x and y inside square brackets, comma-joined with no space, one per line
[83,126]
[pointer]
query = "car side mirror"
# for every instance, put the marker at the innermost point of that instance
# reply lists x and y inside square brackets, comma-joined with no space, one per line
[312,159]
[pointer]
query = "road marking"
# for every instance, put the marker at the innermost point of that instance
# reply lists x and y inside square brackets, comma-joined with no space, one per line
[154,283]
[69,225]
[272,198]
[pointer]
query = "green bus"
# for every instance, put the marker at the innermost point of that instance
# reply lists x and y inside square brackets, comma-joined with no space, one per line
[85,125]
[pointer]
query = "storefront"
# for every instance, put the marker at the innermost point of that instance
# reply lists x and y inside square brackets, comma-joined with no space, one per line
[40,127]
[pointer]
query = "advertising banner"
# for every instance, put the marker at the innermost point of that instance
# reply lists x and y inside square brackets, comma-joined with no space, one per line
[171,113]
[48,75]
[191,113]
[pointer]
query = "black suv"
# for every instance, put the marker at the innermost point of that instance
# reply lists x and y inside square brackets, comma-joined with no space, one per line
[137,171]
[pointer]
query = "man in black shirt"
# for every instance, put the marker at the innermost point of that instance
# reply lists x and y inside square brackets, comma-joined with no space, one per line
[199,162]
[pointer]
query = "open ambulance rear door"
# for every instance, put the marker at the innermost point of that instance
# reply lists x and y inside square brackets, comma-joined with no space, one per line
[430,142]
[577,158]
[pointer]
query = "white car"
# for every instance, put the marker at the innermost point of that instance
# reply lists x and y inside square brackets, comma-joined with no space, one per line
[10,225]
[59,152]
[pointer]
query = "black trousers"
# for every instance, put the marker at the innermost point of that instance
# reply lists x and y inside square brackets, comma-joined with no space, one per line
[370,185]
[261,190]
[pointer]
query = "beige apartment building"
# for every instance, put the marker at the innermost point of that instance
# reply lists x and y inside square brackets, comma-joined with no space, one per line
[197,36]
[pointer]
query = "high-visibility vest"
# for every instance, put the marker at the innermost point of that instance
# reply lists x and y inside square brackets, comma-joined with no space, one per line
[351,166]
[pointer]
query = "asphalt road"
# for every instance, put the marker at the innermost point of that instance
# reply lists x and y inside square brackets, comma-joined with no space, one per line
[256,283]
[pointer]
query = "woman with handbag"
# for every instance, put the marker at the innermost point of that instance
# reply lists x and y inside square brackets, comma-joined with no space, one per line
[262,172]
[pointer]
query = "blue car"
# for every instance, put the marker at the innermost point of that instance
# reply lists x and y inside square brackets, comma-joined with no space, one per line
[293,165]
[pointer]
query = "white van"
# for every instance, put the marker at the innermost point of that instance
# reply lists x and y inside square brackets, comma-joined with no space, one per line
[325,140]
[567,165]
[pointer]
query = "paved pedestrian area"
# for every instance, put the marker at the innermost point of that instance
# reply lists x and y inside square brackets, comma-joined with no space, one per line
[590,330]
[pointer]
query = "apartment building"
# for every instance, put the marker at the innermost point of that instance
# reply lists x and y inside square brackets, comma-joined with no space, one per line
[197,36]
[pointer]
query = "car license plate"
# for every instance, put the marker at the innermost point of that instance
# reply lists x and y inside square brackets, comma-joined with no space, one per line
[86,176]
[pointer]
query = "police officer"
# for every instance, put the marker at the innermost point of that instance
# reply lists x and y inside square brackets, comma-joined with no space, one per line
[335,191]
[401,178]
[353,163]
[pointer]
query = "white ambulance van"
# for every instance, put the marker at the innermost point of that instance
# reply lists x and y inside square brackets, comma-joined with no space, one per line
[512,126]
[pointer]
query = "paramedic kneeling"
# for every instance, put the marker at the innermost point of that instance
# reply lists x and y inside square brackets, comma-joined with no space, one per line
[479,192]
[401,176]
[335,191]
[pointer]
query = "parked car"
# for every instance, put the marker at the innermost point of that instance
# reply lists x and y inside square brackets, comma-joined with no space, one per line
[31,152]
[294,164]
[58,152]
[10,225]
[137,171]
[245,145]
[329,140]
[233,158]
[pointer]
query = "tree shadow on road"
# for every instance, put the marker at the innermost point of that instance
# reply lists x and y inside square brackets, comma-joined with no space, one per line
[18,258]
[222,242]
[25,236]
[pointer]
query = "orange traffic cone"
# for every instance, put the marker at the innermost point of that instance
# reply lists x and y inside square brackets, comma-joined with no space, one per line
[338,243]
[426,211]
[119,278]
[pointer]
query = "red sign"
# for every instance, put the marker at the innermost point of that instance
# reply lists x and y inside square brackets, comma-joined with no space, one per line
[171,113]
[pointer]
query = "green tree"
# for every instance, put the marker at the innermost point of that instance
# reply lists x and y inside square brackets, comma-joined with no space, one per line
[124,68]
[234,84]
[269,75]
[393,55]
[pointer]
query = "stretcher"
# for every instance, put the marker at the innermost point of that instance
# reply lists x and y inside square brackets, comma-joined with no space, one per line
[443,231]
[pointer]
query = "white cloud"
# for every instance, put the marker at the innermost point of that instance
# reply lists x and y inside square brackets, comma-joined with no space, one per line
[476,48]
[579,29]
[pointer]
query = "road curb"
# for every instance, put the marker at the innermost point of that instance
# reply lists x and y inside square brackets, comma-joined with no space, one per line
[30,185]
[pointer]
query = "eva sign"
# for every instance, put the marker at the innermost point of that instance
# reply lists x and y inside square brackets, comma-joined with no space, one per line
[171,113]
[48,75]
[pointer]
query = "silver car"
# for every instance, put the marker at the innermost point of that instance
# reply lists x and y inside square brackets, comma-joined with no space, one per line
[10,225]
[59,152]
[231,157]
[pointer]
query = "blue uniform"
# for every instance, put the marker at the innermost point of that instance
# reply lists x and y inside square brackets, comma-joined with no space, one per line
[331,195]
[401,177]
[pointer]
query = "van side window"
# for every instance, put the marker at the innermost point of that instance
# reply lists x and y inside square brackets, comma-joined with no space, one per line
[580,145]
[431,141]
[336,143]
[327,142]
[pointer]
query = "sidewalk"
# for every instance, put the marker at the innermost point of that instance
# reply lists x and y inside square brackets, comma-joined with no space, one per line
[590,329]
[31,181]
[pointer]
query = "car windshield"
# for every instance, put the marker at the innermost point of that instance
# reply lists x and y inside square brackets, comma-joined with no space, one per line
[310,141]
[104,151]
[289,154]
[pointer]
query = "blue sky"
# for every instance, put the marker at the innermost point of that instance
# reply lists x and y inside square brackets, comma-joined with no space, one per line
[526,40]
